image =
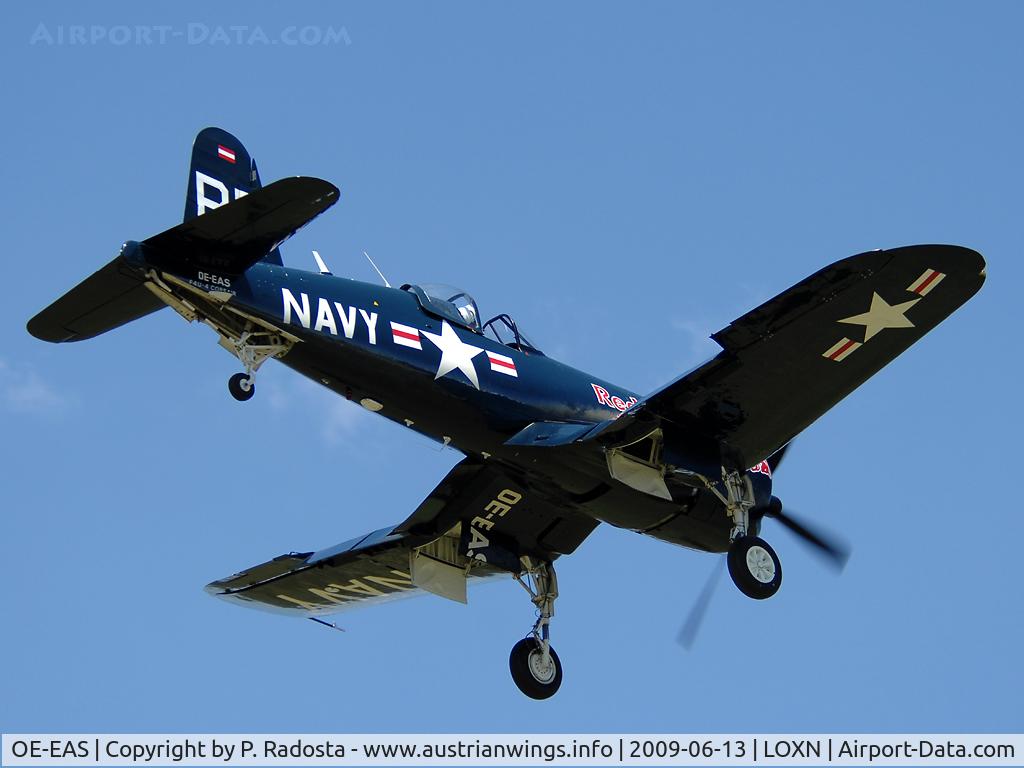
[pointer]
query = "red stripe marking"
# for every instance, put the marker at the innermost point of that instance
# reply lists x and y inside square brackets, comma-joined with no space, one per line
[226,153]
[495,361]
[842,349]
[927,282]
[404,335]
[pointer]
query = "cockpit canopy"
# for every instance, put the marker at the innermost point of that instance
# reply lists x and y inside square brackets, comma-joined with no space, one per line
[457,306]
[450,302]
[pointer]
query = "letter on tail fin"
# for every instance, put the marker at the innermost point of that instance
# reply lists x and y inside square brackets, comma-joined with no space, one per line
[221,171]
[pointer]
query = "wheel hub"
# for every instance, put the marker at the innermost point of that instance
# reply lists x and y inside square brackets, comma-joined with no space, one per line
[541,666]
[760,564]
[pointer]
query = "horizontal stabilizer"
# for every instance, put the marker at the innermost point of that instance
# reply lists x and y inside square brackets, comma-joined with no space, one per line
[229,239]
[233,237]
[111,297]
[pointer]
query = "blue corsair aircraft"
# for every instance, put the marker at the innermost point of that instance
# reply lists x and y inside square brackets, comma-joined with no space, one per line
[550,451]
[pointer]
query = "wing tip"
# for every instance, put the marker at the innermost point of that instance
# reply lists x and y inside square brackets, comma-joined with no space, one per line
[966,259]
[43,330]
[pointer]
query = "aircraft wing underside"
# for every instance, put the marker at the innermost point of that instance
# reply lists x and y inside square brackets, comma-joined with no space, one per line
[477,523]
[788,361]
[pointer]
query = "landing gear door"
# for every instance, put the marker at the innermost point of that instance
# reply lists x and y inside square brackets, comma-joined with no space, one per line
[639,466]
[440,578]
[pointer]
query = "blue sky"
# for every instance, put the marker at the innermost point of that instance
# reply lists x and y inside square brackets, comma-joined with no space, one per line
[624,180]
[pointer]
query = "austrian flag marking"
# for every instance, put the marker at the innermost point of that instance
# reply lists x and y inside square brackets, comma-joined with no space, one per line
[926,282]
[225,154]
[502,364]
[406,336]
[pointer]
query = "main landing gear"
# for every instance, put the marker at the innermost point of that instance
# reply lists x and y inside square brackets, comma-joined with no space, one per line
[534,665]
[753,565]
[253,348]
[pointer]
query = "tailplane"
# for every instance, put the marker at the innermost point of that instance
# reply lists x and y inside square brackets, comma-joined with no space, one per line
[231,223]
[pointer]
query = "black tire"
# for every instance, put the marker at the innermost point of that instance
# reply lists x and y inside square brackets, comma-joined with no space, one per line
[523,663]
[754,567]
[241,387]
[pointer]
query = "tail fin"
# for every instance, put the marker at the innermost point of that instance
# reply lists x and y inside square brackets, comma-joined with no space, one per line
[221,171]
[230,240]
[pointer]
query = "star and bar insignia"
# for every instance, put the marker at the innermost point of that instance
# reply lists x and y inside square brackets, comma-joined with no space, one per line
[882,315]
[456,355]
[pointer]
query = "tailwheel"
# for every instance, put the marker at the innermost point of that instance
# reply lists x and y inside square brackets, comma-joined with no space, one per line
[537,673]
[253,348]
[754,567]
[241,386]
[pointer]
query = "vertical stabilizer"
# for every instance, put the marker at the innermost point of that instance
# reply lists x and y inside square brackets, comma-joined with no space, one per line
[221,171]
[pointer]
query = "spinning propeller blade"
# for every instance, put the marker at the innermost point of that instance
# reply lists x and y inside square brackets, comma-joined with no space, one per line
[834,551]
[691,626]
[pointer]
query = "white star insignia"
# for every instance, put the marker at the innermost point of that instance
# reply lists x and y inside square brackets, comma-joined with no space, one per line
[455,353]
[882,315]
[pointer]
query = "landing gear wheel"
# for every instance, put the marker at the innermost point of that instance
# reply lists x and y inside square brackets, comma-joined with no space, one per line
[754,567]
[536,677]
[241,386]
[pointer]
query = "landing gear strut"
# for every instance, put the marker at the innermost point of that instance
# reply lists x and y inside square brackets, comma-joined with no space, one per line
[753,565]
[534,665]
[253,348]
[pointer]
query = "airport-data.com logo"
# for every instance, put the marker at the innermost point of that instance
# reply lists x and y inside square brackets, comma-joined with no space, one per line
[193,33]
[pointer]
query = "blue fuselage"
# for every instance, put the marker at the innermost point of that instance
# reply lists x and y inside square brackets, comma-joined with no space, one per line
[369,342]
[381,348]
